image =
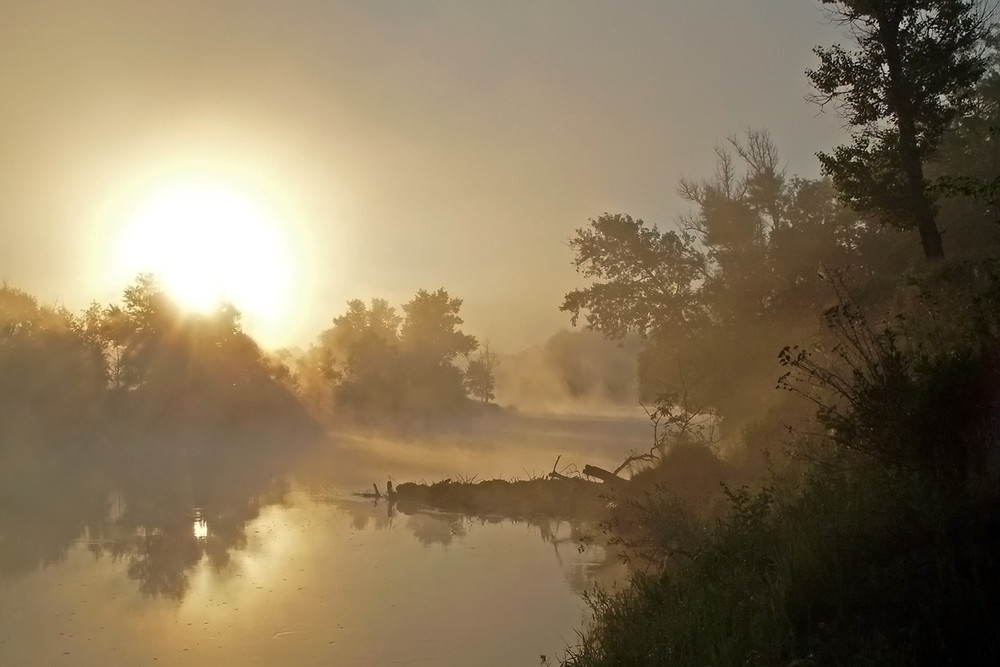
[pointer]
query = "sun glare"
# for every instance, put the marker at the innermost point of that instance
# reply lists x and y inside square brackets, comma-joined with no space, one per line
[208,243]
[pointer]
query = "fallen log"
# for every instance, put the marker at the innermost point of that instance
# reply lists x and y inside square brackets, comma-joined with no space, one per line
[605,476]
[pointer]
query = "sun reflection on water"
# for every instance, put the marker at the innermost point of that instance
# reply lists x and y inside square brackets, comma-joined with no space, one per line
[256,577]
[200,525]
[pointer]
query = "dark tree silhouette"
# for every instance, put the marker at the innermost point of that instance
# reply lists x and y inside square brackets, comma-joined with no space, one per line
[913,71]
[430,342]
[381,366]
[52,378]
[717,298]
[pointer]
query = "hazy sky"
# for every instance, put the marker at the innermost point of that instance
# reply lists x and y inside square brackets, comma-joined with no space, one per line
[402,145]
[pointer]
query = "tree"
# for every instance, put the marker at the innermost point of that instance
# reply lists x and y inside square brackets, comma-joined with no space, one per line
[362,325]
[966,168]
[177,370]
[430,342]
[644,278]
[430,327]
[52,379]
[480,375]
[367,339]
[714,300]
[381,366]
[917,62]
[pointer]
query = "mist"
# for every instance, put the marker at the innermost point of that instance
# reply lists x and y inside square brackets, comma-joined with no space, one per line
[568,333]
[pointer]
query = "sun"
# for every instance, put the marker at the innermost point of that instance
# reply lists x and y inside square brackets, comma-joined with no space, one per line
[208,243]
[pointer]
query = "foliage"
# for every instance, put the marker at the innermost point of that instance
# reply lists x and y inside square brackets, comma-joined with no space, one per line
[380,366]
[920,398]
[715,299]
[965,171]
[885,551]
[51,376]
[480,374]
[913,72]
[367,338]
[428,332]
[645,278]
[857,568]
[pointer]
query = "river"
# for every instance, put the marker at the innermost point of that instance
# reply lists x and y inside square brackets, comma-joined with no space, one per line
[178,559]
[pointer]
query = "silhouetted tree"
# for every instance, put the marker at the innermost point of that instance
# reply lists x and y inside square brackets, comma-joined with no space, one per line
[480,375]
[966,168]
[52,379]
[643,278]
[913,71]
[430,328]
[430,342]
[716,299]
[361,324]
[371,380]
[382,366]
[183,370]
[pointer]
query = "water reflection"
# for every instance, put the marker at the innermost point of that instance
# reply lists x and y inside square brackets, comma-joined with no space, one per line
[196,561]
[157,510]
[46,503]
[162,513]
[200,525]
[161,543]
[580,548]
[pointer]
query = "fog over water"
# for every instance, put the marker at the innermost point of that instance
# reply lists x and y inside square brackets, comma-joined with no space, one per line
[315,581]
[260,553]
[380,332]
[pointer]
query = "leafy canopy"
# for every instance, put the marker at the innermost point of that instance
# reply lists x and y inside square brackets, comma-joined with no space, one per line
[913,70]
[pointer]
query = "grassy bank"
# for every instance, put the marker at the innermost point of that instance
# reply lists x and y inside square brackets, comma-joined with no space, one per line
[885,550]
[855,568]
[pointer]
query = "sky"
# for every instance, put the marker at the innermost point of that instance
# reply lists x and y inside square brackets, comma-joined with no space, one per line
[397,145]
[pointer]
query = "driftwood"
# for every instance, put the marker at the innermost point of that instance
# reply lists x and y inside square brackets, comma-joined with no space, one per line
[605,476]
[390,492]
[555,474]
[610,478]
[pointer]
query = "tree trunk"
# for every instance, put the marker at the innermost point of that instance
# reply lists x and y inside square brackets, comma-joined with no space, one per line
[910,161]
[930,239]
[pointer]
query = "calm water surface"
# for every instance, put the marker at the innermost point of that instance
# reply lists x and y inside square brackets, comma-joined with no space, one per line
[176,562]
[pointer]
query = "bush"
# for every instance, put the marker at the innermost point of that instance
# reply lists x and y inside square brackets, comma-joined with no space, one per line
[886,552]
[904,396]
[857,567]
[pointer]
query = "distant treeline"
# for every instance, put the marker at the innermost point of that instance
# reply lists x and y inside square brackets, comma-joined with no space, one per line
[379,366]
[135,368]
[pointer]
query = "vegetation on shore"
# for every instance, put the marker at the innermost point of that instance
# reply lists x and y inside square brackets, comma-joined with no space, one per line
[884,550]
[877,540]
